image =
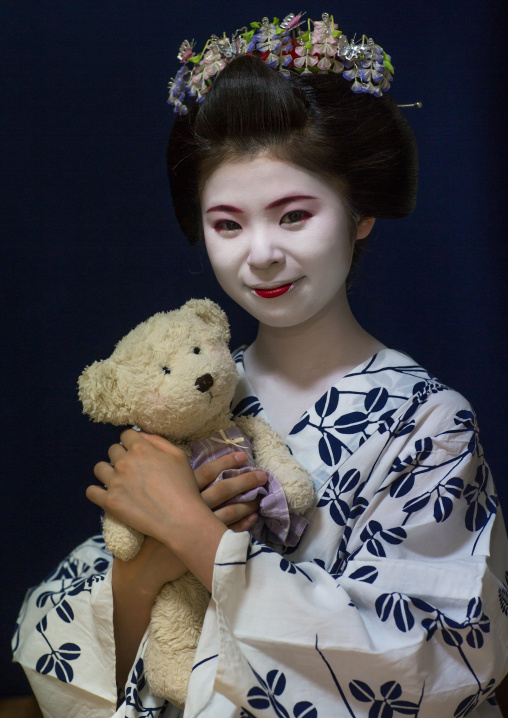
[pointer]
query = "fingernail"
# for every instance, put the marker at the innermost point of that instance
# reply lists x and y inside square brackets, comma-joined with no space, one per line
[240,457]
[261,477]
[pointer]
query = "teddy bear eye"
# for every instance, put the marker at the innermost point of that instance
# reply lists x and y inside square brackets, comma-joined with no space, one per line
[196,350]
[166,370]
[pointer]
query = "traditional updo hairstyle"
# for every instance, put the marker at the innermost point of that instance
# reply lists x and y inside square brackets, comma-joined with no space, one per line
[361,143]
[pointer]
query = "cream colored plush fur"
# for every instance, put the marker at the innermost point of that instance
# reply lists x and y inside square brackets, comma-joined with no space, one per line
[150,380]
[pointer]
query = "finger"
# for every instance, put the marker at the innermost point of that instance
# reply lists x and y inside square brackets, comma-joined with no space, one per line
[232,513]
[97,495]
[129,437]
[115,452]
[244,524]
[206,473]
[103,471]
[227,489]
[159,442]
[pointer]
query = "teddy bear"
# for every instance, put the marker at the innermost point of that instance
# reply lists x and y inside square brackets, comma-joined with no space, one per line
[173,375]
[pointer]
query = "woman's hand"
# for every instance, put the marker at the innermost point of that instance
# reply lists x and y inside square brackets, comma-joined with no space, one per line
[155,564]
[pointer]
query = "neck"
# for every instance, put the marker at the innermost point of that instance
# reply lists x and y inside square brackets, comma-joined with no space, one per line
[310,351]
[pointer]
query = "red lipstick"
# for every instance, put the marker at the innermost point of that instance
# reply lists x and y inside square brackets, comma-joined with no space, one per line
[276,292]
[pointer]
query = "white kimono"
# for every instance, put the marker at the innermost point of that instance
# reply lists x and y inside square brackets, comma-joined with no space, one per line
[394,603]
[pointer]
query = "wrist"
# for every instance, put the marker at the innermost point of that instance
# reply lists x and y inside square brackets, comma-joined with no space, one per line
[196,543]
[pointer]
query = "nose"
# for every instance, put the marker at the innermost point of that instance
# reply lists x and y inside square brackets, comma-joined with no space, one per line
[265,250]
[203,383]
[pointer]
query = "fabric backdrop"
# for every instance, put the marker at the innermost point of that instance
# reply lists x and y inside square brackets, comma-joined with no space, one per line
[91,246]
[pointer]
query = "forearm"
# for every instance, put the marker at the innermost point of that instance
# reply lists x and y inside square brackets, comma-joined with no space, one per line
[196,541]
[135,586]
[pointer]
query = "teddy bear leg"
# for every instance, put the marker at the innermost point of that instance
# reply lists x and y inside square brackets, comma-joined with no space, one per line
[175,627]
[121,540]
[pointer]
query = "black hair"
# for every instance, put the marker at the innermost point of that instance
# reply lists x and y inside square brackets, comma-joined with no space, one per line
[361,142]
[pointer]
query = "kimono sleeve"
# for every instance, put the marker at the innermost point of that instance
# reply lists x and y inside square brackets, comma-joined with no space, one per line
[411,618]
[64,636]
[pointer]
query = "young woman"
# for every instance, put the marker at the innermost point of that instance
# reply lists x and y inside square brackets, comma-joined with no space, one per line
[394,601]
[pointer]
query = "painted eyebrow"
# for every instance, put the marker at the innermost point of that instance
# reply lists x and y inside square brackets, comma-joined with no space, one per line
[272,205]
[287,200]
[224,208]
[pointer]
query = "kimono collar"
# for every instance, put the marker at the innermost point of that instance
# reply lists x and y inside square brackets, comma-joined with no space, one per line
[343,418]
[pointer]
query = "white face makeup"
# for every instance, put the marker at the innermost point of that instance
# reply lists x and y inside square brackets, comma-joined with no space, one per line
[277,238]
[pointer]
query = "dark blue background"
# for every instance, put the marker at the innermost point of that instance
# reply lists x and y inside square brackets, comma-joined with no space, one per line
[92,248]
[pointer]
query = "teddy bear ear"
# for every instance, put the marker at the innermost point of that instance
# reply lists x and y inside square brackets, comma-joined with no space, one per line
[210,313]
[99,392]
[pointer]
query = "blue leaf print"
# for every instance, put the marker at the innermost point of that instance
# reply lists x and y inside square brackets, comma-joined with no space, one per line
[372,528]
[289,567]
[45,664]
[304,709]
[404,619]
[328,403]
[393,536]
[300,426]
[352,423]
[65,612]
[101,564]
[476,517]
[249,406]
[368,574]
[384,605]
[404,429]
[380,709]
[402,485]
[454,486]
[376,399]
[466,419]
[443,507]
[359,505]
[422,605]
[69,651]
[339,511]
[64,672]
[391,690]
[416,504]
[257,698]
[466,706]
[474,608]
[362,692]
[349,481]
[276,682]
[330,449]
[431,626]
[399,605]
[452,638]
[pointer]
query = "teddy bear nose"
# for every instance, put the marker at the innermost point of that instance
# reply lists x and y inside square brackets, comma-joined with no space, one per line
[203,383]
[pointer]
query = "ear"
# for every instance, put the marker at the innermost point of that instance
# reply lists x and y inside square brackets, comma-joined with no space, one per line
[99,392]
[211,314]
[364,227]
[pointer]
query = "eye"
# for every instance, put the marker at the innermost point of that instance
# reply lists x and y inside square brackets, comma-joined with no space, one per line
[295,216]
[196,350]
[166,370]
[226,226]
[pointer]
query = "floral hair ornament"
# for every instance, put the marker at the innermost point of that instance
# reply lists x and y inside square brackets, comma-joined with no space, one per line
[317,47]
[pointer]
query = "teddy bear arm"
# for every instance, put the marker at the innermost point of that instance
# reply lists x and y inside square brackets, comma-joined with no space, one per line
[272,454]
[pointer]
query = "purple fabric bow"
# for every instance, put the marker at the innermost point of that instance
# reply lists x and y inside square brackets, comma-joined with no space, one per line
[275,523]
